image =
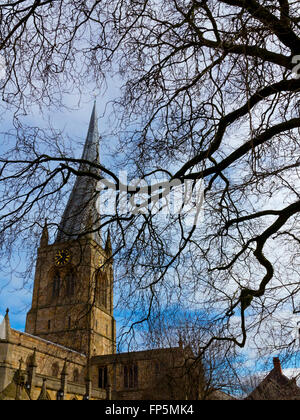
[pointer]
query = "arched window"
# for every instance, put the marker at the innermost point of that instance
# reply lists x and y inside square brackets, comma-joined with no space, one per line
[70,284]
[103,290]
[131,376]
[56,285]
[102,377]
[55,370]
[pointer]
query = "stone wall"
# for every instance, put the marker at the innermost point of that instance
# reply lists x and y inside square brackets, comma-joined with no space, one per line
[157,374]
[31,362]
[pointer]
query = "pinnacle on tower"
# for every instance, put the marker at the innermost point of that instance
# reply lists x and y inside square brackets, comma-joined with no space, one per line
[33,362]
[44,394]
[108,245]
[45,236]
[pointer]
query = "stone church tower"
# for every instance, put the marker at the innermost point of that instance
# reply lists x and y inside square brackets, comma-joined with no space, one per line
[72,303]
[68,349]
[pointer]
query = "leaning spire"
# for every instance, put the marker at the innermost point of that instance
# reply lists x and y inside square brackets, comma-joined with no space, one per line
[91,147]
[108,245]
[81,207]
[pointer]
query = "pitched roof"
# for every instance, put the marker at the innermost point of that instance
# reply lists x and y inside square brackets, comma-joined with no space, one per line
[80,215]
[276,386]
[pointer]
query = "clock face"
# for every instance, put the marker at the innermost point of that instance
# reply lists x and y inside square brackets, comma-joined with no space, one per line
[98,260]
[62,257]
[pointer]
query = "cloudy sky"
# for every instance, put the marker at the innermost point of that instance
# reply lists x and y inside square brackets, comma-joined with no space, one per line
[74,123]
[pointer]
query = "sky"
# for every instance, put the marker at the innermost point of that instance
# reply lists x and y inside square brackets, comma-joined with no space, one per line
[74,123]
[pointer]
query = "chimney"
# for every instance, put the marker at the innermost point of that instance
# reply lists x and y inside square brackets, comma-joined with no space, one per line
[277,364]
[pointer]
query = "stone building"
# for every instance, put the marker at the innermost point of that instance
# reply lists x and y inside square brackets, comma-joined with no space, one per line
[68,349]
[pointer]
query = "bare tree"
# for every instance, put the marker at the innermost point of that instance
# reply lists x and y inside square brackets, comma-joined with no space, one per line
[213,375]
[210,92]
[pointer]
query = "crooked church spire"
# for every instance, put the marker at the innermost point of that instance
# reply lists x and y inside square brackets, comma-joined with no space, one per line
[80,215]
[91,147]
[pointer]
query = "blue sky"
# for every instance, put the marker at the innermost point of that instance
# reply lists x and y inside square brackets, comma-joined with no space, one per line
[74,123]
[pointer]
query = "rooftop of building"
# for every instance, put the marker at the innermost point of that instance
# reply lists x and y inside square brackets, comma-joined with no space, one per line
[276,386]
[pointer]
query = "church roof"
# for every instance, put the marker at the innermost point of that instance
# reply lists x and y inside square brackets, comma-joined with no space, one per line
[52,343]
[81,216]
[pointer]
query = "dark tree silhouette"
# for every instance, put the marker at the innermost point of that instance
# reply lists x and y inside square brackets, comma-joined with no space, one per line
[210,91]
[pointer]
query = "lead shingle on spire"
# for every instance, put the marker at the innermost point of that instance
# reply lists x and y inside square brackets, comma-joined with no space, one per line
[91,147]
[81,207]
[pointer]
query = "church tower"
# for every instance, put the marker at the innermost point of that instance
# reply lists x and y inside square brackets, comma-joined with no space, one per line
[72,303]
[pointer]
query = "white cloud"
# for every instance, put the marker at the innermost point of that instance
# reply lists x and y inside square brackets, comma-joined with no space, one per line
[292,373]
